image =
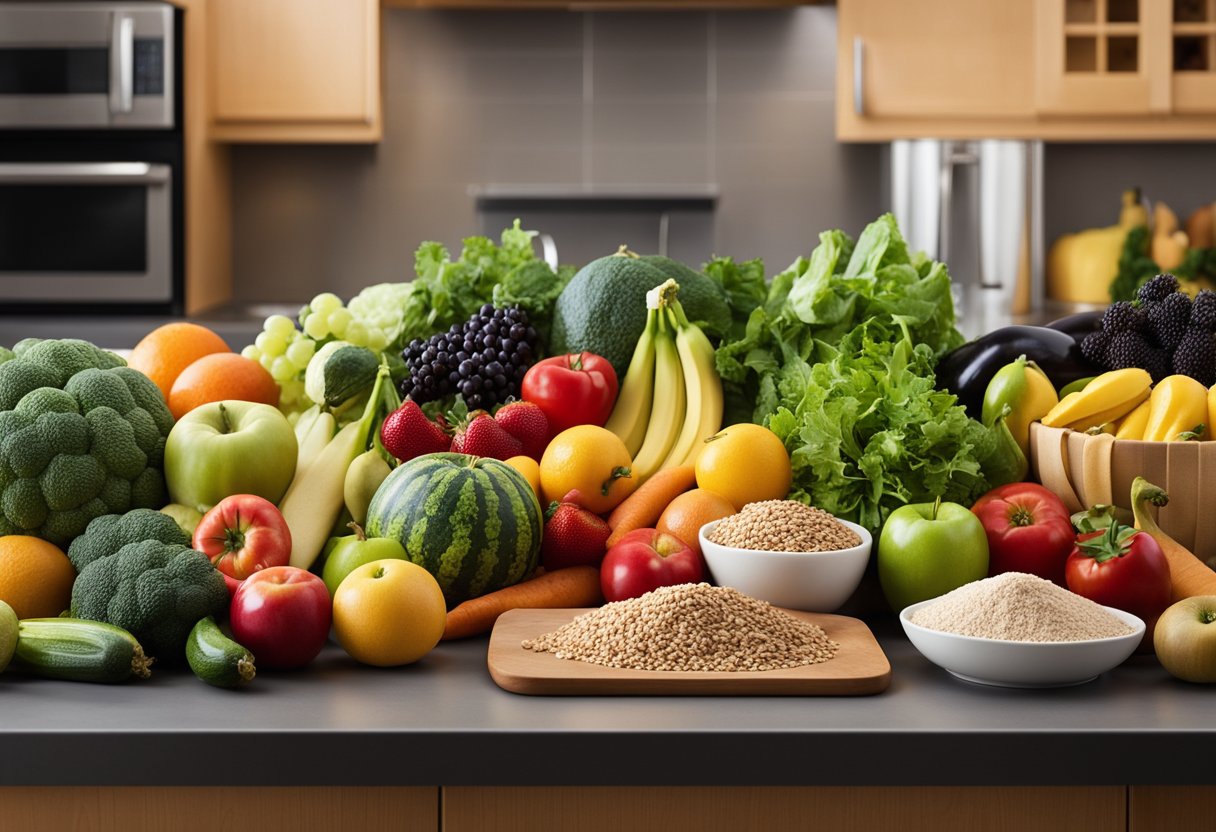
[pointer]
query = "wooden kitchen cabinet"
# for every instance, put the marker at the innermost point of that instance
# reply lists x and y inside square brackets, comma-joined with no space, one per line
[294,70]
[1051,69]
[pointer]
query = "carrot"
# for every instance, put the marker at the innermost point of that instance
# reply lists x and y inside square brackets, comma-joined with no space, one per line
[1189,576]
[642,508]
[576,586]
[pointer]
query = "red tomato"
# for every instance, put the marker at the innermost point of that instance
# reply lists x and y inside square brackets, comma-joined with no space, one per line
[1028,528]
[243,534]
[1122,568]
[574,389]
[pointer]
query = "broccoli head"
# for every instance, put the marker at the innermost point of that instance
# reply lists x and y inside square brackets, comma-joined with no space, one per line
[81,435]
[110,532]
[156,591]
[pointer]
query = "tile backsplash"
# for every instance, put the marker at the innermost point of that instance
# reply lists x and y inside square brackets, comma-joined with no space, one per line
[737,102]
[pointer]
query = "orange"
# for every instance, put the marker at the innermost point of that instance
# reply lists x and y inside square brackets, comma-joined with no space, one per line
[35,576]
[594,461]
[222,377]
[686,514]
[530,468]
[745,463]
[389,613]
[167,350]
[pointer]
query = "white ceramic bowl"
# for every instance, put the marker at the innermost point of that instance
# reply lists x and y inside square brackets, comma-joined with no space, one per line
[809,581]
[1023,664]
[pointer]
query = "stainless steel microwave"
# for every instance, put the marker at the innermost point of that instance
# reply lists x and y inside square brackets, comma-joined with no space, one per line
[90,65]
[86,232]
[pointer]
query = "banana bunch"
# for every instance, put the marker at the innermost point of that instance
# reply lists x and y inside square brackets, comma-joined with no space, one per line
[671,399]
[1102,402]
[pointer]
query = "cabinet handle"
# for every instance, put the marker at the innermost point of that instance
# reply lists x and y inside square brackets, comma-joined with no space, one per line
[859,77]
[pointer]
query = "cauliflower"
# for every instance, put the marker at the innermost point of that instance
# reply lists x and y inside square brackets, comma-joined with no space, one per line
[156,591]
[110,532]
[81,435]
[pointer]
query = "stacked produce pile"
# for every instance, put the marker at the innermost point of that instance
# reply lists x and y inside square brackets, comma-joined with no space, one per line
[496,434]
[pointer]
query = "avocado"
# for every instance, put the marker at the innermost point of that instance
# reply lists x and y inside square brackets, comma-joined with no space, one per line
[603,308]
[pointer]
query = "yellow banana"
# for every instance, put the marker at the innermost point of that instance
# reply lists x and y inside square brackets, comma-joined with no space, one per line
[1177,408]
[1132,425]
[667,411]
[320,430]
[1104,417]
[702,388]
[631,414]
[1113,395]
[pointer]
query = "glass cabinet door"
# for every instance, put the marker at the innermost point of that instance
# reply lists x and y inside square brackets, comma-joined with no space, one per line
[1193,55]
[1102,57]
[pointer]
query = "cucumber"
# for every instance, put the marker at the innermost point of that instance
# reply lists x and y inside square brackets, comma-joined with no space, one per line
[78,650]
[8,634]
[217,659]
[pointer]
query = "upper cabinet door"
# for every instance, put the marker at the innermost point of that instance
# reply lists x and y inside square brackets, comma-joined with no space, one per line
[1193,56]
[294,70]
[904,67]
[1102,57]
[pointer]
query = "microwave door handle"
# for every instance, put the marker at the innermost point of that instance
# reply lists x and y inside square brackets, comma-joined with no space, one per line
[97,173]
[122,63]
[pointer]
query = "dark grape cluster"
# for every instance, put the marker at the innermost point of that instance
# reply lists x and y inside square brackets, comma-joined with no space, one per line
[484,359]
[1162,331]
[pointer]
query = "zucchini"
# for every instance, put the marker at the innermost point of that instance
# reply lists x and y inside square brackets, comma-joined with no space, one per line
[79,650]
[8,634]
[217,659]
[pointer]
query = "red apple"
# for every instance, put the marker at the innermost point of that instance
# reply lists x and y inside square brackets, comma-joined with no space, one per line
[282,616]
[646,559]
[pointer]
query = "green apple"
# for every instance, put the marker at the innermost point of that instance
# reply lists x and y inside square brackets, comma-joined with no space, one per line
[226,448]
[352,551]
[1185,639]
[185,517]
[926,550]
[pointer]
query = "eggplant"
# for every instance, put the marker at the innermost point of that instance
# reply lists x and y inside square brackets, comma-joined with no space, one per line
[1080,324]
[966,371]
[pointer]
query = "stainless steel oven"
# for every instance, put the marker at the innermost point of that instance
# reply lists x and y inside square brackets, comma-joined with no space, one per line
[87,65]
[88,232]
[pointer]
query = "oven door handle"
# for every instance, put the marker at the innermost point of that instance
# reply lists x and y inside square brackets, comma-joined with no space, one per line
[122,63]
[95,173]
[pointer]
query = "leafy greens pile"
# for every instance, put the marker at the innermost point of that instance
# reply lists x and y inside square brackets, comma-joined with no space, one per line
[1136,267]
[448,291]
[838,362]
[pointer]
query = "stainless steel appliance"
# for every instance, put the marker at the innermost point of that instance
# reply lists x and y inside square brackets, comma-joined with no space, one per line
[90,156]
[87,65]
[977,205]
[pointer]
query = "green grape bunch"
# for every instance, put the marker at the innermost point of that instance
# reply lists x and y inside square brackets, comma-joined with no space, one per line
[285,350]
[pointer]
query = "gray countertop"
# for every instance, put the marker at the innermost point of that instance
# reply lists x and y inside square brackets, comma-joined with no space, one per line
[444,722]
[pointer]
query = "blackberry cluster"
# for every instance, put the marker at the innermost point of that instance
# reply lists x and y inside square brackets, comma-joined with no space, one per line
[1162,331]
[484,359]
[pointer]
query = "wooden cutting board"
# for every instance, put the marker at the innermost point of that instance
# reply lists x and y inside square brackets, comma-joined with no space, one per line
[858,669]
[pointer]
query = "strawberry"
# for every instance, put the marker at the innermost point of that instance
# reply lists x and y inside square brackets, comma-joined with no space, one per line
[480,435]
[573,535]
[407,433]
[527,423]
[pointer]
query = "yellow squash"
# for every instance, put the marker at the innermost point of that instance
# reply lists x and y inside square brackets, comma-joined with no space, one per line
[1081,266]
[1132,425]
[1108,397]
[1178,409]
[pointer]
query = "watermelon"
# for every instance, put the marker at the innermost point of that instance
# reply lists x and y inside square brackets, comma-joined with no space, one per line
[472,522]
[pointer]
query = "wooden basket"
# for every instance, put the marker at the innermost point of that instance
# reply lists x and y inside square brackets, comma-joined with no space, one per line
[1084,470]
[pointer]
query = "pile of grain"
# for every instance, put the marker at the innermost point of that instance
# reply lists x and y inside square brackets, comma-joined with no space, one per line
[1019,607]
[783,526]
[689,627]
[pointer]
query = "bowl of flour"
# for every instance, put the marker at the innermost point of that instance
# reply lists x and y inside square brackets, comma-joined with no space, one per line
[1018,630]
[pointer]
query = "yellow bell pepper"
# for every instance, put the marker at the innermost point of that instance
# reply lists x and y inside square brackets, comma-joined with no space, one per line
[1178,409]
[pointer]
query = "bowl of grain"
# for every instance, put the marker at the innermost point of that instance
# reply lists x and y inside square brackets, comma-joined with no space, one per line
[787,553]
[1020,631]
